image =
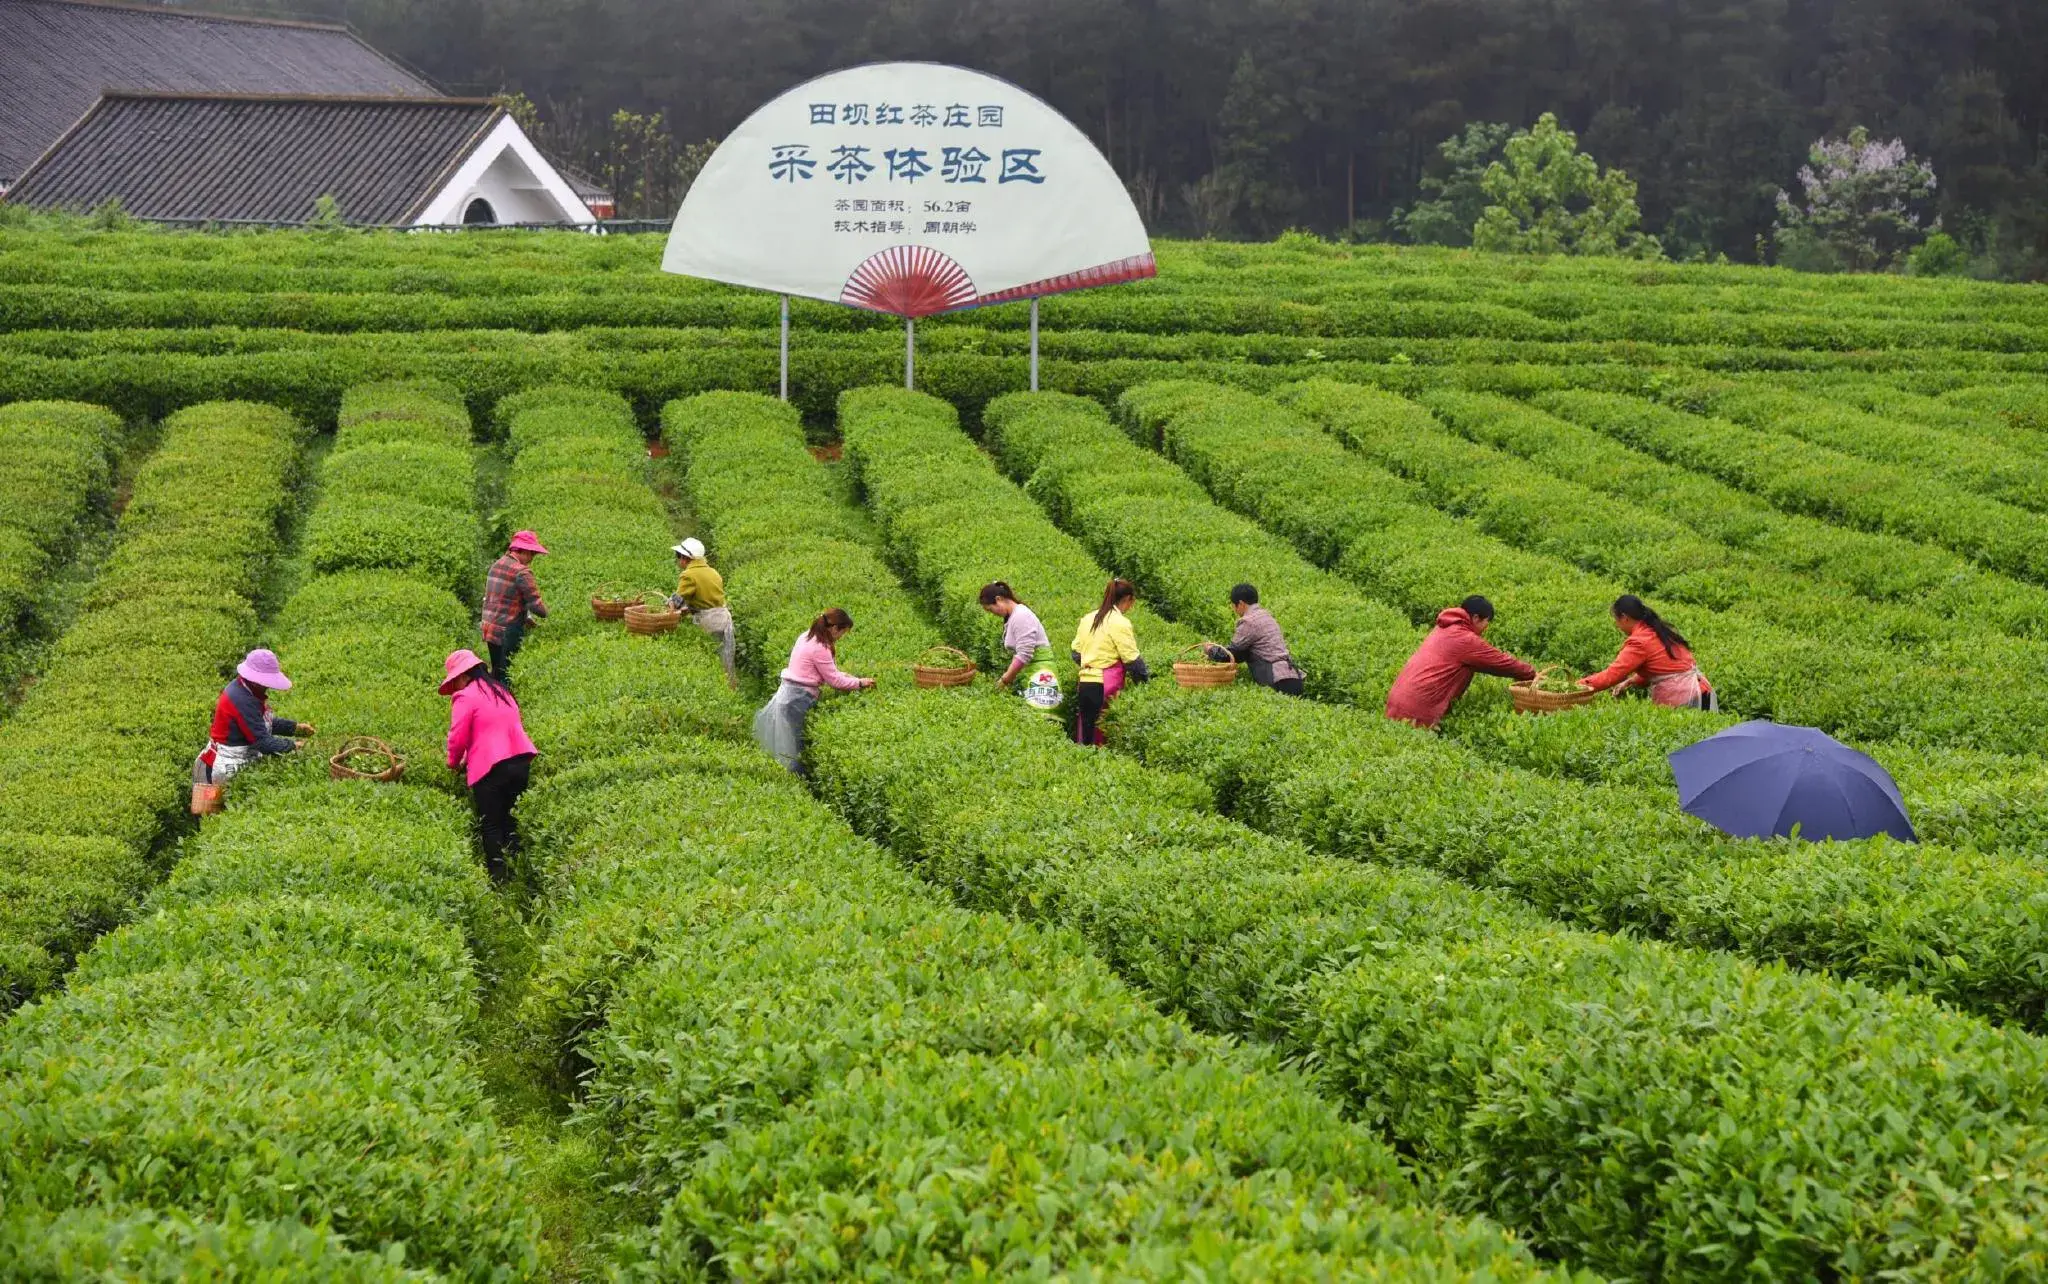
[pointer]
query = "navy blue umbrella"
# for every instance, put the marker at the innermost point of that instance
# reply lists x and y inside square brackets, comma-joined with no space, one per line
[1757,779]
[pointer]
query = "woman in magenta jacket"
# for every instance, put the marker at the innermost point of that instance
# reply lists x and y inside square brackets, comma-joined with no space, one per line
[487,740]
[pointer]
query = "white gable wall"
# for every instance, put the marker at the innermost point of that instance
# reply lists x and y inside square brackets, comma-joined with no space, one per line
[509,172]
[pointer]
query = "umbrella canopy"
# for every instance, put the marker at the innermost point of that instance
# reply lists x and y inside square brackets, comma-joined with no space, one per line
[1759,779]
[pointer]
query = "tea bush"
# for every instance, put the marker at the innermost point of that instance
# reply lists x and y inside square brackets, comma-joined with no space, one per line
[56,468]
[802,547]
[1848,538]
[318,943]
[95,1244]
[1381,531]
[924,480]
[1350,782]
[1977,464]
[129,688]
[1805,478]
[1878,567]
[757,921]
[1239,929]
[174,1072]
[1819,1099]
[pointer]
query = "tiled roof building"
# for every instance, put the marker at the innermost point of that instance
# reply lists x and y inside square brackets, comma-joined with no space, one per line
[184,115]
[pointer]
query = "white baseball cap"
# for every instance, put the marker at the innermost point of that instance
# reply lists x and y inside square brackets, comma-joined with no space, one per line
[690,548]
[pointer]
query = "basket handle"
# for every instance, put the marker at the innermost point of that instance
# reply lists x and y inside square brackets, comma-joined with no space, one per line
[1200,650]
[949,650]
[367,744]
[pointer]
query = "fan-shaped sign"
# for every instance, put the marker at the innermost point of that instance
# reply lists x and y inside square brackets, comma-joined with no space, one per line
[909,188]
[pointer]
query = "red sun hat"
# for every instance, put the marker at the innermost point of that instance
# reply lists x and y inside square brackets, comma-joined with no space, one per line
[527,542]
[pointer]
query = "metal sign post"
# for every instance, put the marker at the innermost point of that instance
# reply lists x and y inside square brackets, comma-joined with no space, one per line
[1034,343]
[785,347]
[910,352]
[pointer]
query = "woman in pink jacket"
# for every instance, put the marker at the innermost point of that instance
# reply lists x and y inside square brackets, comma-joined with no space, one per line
[813,666]
[487,740]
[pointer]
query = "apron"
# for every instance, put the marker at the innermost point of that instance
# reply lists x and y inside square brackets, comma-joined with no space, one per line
[1112,682]
[717,621]
[218,763]
[1042,690]
[1682,691]
[229,759]
[779,727]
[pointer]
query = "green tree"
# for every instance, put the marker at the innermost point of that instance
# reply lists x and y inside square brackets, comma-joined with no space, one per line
[1455,187]
[1258,127]
[1545,196]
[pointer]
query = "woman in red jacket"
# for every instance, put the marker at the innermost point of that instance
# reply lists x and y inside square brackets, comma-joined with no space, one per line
[1656,656]
[1444,665]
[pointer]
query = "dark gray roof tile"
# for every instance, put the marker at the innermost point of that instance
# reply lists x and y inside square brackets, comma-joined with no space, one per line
[58,56]
[181,156]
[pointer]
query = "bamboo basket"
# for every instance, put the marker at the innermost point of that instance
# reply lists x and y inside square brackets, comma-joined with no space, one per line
[1529,700]
[1202,673]
[337,763]
[931,675]
[206,800]
[606,607]
[647,621]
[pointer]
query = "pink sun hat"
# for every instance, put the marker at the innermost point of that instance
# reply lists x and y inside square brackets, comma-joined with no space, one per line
[527,542]
[259,667]
[460,663]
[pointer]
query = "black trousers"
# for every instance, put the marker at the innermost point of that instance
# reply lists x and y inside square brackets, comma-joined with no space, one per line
[1089,701]
[494,796]
[1288,686]
[502,652]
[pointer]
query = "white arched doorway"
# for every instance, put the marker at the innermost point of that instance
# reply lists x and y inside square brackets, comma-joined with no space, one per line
[479,211]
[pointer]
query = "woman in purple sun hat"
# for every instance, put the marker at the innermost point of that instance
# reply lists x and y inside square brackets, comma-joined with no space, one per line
[244,729]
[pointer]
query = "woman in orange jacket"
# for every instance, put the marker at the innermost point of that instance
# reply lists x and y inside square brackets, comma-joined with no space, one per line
[1656,656]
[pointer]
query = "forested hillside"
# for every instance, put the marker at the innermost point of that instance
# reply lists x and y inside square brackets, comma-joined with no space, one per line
[1242,117]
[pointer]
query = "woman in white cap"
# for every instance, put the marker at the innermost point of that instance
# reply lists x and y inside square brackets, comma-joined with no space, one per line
[700,591]
[244,729]
[488,742]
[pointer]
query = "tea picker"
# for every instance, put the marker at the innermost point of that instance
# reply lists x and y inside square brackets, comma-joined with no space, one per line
[511,601]
[243,728]
[487,741]
[1656,657]
[813,666]
[1444,665]
[1024,637]
[700,593]
[1259,643]
[1105,649]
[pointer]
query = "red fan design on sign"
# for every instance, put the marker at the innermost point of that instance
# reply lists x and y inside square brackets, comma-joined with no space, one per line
[908,281]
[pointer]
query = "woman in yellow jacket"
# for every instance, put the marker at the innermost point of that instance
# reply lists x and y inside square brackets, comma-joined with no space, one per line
[1106,650]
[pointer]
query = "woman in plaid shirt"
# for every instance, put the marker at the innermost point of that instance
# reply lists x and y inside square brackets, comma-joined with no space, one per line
[511,601]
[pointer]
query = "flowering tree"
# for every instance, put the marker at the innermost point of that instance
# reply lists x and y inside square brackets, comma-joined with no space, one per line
[1545,196]
[1856,205]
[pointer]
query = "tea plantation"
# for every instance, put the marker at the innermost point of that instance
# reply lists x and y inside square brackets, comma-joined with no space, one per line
[1270,989]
